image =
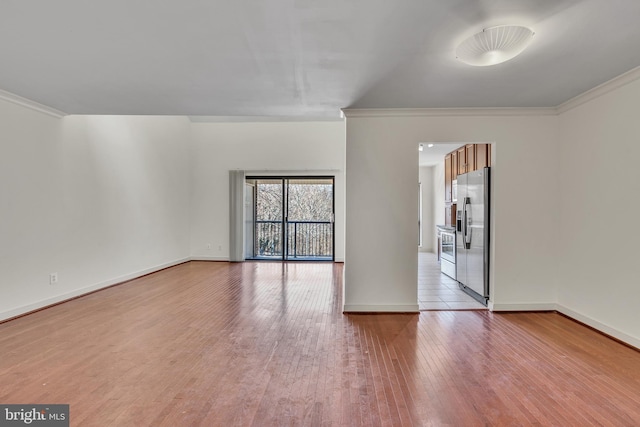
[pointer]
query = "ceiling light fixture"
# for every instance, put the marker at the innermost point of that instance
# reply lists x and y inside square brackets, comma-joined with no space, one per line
[494,45]
[430,145]
[420,147]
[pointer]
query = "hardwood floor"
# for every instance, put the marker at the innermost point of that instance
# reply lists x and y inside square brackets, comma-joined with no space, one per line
[266,344]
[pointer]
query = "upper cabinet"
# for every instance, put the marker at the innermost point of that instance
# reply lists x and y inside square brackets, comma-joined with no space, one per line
[470,151]
[462,160]
[448,178]
[469,158]
[454,164]
[483,155]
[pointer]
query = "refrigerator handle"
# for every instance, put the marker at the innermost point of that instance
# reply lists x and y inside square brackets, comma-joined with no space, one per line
[467,223]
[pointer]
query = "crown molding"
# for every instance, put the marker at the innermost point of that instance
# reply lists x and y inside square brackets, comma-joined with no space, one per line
[32,105]
[447,112]
[600,90]
[262,119]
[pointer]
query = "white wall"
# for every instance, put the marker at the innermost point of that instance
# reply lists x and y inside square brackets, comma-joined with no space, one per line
[381,207]
[599,239]
[427,220]
[303,147]
[96,199]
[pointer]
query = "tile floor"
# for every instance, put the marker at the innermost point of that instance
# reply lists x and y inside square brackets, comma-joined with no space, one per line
[437,291]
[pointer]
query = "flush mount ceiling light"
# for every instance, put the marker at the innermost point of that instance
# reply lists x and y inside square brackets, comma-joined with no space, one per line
[494,45]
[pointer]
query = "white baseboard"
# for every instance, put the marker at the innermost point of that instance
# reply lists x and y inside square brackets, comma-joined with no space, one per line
[606,329]
[88,289]
[599,326]
[402,308]
[541,306]
[209,258]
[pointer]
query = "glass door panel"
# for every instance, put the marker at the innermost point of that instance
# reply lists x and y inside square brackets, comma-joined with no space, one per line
[269,218]
[309,219]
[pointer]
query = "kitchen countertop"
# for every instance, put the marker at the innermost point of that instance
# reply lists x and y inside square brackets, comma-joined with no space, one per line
[448,228]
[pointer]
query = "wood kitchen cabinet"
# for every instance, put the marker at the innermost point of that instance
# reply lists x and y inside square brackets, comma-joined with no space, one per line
[483,155]
[448,178]
[462,160]
[450,214]
[469,158]
[466,158]
[470,152]
[454,164]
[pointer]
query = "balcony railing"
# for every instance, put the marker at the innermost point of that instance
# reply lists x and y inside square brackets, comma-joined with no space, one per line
[268,241]
[305,239]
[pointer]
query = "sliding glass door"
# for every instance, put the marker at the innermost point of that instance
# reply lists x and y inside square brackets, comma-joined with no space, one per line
[269,218]
[293,218]
[309,220]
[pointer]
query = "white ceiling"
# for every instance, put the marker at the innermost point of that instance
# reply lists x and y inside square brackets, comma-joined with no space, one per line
[303,58]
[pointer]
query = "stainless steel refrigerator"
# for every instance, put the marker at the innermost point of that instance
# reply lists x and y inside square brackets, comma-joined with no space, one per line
[472,233]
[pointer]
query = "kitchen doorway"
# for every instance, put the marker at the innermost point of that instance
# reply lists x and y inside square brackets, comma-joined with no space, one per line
[437,287]
[290,218]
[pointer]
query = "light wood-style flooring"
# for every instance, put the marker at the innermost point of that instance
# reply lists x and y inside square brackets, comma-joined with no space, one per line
[437,291]
[266,344]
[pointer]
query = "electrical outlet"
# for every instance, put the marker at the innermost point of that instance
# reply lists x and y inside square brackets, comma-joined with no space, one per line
[208,246]
[53,278]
